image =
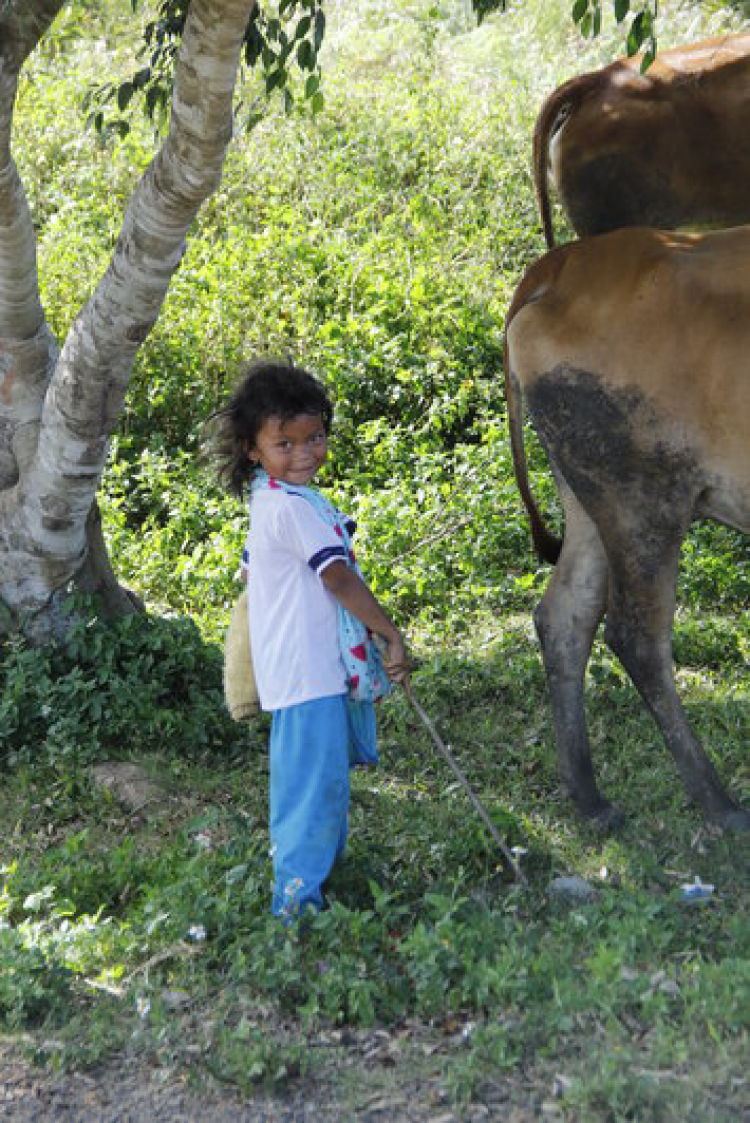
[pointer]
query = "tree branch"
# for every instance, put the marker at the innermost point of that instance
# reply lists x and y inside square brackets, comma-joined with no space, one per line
[20,310]
[86,394]
[27,350]
[22,25]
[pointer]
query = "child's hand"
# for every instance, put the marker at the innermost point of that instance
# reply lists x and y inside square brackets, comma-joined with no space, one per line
[395,658]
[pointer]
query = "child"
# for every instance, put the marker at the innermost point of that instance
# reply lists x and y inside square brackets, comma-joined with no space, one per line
[311,619]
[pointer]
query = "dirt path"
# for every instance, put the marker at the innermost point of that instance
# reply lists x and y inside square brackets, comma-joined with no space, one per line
[127,1091]
[130,1091]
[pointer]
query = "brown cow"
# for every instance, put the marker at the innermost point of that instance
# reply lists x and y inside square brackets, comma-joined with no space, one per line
[632,350]
[668,148]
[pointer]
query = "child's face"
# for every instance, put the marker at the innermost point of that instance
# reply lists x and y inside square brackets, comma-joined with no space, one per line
[291,449]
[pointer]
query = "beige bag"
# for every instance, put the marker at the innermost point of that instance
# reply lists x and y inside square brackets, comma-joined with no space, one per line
[240,691]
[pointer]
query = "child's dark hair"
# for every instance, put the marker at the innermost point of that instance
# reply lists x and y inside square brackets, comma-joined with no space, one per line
[268,388]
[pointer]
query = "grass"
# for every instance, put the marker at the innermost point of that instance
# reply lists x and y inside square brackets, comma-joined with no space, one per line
[380,244]
[155,936]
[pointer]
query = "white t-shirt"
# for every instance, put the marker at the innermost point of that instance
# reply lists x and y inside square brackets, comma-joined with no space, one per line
[293,618]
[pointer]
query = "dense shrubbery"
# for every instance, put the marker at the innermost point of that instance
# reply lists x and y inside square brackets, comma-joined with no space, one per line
[144,684]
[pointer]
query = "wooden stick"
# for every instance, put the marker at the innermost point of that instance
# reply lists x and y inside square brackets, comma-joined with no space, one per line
[448,755]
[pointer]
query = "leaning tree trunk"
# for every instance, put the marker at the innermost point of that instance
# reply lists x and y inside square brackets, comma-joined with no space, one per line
[58,410]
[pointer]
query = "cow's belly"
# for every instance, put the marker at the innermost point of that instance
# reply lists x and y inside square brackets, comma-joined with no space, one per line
[727,501]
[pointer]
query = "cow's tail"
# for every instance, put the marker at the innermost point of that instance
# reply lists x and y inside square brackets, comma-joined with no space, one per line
[546,544]
[555,111]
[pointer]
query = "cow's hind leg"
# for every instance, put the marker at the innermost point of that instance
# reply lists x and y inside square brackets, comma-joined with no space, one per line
[566,621]
[639,630]
[640,482]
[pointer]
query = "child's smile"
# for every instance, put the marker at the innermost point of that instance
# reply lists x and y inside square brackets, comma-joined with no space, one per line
[291,449]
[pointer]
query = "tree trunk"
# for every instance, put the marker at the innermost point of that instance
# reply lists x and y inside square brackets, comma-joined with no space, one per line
[58,410]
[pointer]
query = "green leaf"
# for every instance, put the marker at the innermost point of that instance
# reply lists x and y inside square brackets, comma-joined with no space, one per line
[124,94]
[151,99]
[320,29]
[622,7]
[275,80]
[579,10]
[305,55]
[303,27]
[635,36]
[253,45]
[311,85]
[649,55]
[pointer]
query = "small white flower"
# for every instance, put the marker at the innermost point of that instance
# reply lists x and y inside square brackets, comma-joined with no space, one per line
[197,932]
[203,840]
[143,1007]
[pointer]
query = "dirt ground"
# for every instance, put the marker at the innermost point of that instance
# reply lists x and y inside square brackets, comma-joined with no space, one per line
[128,1090]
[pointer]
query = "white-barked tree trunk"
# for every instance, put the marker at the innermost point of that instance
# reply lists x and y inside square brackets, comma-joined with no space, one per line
[59,406]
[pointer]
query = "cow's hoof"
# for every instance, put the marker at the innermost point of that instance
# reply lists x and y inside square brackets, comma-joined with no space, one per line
[604,816]
[610,818]
[735,820]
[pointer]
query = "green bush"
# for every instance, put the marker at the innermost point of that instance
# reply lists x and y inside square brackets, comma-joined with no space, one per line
[143,685]
[35,987]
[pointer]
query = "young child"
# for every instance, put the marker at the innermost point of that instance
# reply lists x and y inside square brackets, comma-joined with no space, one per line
[312,622]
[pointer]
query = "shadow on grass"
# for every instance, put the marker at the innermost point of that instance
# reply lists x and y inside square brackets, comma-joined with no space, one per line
[492,709]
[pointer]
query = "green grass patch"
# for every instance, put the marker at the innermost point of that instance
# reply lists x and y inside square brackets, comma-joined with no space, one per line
[150,930]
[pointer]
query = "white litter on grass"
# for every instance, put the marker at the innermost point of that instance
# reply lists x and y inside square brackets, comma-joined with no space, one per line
[696,890]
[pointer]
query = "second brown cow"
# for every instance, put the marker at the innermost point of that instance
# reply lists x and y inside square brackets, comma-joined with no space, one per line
[667,148]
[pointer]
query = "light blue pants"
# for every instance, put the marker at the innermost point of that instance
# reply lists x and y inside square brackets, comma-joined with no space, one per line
[312,747]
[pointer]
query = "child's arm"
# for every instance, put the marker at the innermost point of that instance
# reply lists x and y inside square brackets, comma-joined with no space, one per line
[350,590]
